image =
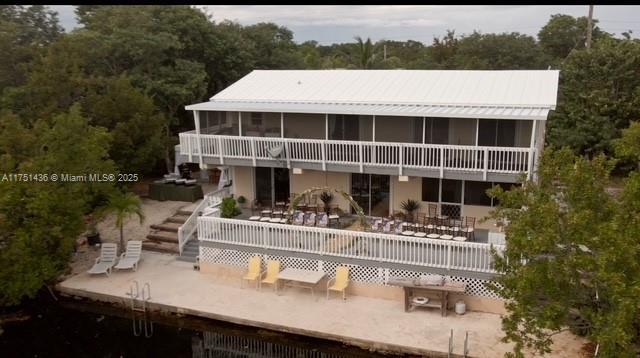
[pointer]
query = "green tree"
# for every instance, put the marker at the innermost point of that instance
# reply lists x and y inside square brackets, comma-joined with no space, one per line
[443,51]
[572,259]
[598,97]
[24,32]
[272,47]
[123,206]
[364,53]
[506,51]
[564,33]
[41,219]
[627,147]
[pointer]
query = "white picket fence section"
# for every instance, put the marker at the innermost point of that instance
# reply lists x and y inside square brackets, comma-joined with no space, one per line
[446,254]
[440,157]
[187,230]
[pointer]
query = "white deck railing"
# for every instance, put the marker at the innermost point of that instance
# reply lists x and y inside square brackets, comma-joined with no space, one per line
[440,157]
[187,230]
[445,254]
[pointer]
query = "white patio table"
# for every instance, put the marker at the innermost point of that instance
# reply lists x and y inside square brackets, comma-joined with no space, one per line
[300,278]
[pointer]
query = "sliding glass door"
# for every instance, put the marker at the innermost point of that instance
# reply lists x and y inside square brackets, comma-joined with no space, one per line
[371,192]
[272,184]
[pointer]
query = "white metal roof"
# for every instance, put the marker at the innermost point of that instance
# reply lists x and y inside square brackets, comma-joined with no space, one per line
[474,94]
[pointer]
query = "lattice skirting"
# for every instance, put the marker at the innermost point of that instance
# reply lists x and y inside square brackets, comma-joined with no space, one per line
[358,273]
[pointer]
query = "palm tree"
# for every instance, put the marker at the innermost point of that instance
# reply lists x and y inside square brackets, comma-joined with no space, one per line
[123,206]
[364,53]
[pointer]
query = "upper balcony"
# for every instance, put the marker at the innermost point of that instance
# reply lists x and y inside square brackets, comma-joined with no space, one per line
[454,148]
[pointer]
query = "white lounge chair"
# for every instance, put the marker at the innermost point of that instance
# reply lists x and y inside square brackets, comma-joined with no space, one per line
[323,221]
[104,263]
[130,258]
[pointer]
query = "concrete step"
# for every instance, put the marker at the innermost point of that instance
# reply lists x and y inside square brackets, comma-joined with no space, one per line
[180,219]
[163,247]
[167,226]
[163,236]
[184,212]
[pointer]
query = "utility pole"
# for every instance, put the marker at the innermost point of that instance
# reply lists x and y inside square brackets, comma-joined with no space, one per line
[589,27]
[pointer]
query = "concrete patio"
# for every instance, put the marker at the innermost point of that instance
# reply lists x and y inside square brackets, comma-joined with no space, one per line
[372,323]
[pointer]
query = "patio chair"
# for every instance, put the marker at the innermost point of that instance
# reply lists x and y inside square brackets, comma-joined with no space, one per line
[130,258]
[253,271]
[469,227]
[387,227]
[444,229]
[107,259]
[311,219]
[256,207]
[298,218]
[273,269]
[433,210]
[323,221]
[340,283]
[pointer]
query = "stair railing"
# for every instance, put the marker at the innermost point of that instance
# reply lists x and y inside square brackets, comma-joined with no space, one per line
[187,231]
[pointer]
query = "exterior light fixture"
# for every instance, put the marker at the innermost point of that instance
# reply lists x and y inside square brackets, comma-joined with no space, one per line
[403,178]
[297,170]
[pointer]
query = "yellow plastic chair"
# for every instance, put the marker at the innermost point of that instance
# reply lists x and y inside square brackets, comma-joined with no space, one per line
[253,273]
[273,269]
[340,283]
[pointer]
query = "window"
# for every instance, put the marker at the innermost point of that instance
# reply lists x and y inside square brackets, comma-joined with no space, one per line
[256,118]
[436,130]
[451,191]
[430,189]
[475,193]
[498,132]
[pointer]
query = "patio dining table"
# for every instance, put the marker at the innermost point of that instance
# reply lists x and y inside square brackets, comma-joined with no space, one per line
[300,278]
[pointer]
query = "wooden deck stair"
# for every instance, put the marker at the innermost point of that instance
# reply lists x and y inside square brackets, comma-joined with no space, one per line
[164,237]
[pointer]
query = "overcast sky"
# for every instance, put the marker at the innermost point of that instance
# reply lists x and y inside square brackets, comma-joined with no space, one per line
[329,24]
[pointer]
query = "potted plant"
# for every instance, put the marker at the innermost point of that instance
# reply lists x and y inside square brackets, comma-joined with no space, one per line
[410,206]
[228,208]
[326,198]
[242,200]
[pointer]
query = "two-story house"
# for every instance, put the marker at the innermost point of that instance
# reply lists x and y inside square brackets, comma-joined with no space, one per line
[384,136]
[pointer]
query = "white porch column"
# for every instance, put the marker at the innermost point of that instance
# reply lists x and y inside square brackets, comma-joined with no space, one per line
[373,135]
[281,125]
[424,130]
[326,126]
[239,124]
[196,118]
[477,130]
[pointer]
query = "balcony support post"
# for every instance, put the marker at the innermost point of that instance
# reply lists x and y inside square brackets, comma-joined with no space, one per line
[361,159]
[220,150]
[485,164]
[281,125]
[532,150]
[400,158]
[288,153]
[196,116]
[324,159]
[441,162]
[253,150]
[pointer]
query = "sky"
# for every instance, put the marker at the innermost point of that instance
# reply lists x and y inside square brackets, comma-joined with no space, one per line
[335,24]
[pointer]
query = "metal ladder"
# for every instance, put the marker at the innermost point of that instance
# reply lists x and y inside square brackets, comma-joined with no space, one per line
[466,344]
[139,304]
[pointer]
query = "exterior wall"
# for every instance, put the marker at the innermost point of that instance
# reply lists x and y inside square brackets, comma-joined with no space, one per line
[304,125]
[313,178]
[243,183]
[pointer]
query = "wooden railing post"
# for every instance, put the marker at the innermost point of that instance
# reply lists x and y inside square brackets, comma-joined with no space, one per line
[530,163]
[288,153]
[220,150]
[448,256]
[189,148]
[441,162]
[253,150]
[400,159]
[324,159]
[485,164]
[361,158]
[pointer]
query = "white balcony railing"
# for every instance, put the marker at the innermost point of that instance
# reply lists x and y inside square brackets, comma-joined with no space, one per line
[507,160]
[375,247]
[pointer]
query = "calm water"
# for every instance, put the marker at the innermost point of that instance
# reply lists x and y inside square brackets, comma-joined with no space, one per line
[81,329]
